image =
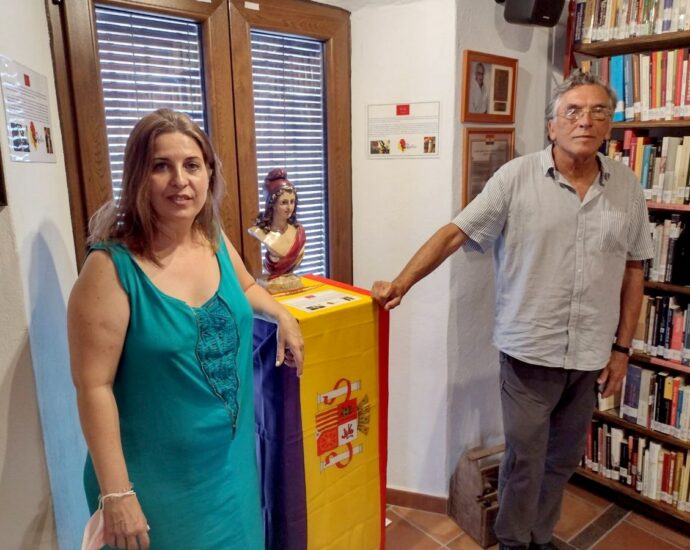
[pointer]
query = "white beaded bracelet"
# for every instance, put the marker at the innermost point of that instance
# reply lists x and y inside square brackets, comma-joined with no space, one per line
[102,499]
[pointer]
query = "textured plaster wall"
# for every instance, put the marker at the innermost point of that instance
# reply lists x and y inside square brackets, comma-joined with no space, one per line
[406,53]
[38,270]
[443,368]
[26,512]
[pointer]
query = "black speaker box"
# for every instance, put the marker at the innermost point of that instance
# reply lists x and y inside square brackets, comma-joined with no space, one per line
[544,13]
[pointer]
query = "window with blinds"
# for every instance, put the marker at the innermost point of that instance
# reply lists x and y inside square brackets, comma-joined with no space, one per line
[289,110]
[147,62]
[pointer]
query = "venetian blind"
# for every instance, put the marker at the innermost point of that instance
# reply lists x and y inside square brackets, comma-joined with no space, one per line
[147,62]
[289,110]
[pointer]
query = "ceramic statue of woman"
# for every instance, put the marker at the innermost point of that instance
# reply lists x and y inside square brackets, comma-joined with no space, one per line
[277,228]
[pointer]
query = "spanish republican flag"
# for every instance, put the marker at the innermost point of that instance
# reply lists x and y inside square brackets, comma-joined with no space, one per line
[322,437]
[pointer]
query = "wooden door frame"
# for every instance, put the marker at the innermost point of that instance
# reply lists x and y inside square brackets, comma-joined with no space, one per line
[332,26]
[81,107]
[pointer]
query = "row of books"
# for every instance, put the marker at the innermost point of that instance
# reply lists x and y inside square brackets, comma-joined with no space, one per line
[653,470]
[663,329]
[656,400]
[668,263]
[601,20]
[649,86]
[661,164]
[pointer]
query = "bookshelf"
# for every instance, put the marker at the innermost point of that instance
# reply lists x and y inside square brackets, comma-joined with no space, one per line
[636,44]
[674,366]
[652,206]
[665,124]
[614,418]
[667,287]
[656,122]
[661,508]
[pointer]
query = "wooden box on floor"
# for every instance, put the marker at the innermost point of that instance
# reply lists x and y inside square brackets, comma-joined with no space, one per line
[472,496]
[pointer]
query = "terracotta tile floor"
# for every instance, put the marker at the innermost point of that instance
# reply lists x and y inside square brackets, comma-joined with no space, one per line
[588,521]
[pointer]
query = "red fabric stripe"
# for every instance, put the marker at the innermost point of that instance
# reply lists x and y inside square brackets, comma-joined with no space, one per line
[384,318]
[337,284]
[383,393]
[326,414]
[326,425]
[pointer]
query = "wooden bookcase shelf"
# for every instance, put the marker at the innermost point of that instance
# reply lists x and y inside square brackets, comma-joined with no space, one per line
[657,129]
[618,487]
[665,41]
[613,418]
[665,363]
[667,287]
[685,123]
[667,207]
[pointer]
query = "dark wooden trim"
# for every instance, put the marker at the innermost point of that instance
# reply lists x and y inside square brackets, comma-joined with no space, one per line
[68,129]
[651,124]
[221,116]
[658,361]
[191,9]
[332,25]
[242,91]
[338,105]
[418,501]
[3,190]
[669,207]
[77,71]
[667,287]
[87,95]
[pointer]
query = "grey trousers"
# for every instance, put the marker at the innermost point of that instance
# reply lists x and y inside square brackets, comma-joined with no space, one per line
[545,416]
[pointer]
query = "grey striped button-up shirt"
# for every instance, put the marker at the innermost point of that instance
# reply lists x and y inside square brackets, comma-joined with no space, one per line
[559,260]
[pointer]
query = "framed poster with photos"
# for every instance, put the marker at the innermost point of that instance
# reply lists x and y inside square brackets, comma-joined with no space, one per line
[485,151]
[489,88]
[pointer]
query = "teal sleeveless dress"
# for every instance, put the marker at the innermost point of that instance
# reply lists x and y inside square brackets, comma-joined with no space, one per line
[184,393]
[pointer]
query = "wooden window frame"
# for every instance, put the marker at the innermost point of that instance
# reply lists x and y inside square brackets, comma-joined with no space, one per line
[81,105]
[332,26]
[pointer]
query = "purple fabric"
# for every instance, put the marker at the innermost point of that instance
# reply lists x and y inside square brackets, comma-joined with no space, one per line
[279,445]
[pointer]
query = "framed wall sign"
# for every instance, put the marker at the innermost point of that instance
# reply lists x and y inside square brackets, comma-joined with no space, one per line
[489,86]
[485,151]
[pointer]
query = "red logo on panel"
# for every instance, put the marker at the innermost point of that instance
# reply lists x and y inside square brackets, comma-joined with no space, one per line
[27,81]
[402,110]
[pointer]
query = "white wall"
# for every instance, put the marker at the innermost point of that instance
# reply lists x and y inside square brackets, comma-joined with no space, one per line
[405,53]
[473,390]
[39,262]
[443,369]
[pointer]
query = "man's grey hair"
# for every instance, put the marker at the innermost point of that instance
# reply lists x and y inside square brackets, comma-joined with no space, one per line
[577,78]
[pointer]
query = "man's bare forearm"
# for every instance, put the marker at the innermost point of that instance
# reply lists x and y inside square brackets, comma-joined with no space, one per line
[631,301]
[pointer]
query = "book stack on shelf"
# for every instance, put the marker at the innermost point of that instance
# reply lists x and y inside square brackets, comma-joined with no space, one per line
[649,86]
[660,163]
[640,464]
[603,20]
[639,442]
[663,330]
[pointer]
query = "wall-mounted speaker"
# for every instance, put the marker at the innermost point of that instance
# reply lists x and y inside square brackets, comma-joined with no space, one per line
[545,13]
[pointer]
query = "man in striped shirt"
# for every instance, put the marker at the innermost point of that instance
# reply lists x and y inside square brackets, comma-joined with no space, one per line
[569,232]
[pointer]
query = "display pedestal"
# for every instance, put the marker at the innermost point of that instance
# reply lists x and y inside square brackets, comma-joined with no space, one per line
[322,437]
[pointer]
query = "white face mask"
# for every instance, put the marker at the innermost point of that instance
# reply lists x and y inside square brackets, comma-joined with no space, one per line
[93,532]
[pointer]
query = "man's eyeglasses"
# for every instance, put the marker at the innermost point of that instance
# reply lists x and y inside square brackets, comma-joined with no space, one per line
[596,113]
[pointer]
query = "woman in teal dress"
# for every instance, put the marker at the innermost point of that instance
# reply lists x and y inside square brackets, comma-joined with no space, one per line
[160,333]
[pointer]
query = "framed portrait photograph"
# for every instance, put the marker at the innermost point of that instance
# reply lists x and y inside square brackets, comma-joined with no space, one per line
[485,151]
[489,87]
